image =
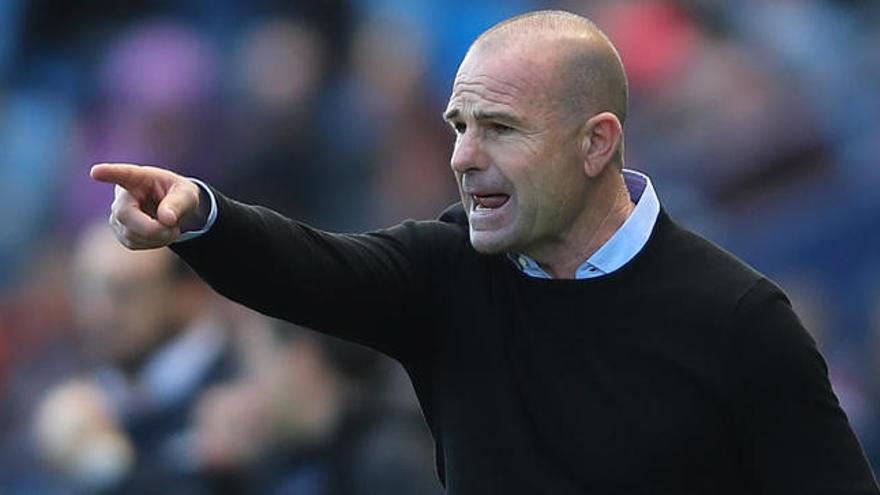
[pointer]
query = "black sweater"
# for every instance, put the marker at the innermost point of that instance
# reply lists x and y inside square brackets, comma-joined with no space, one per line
[684,372]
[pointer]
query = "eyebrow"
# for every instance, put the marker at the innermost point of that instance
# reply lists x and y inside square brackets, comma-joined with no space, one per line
[453,113]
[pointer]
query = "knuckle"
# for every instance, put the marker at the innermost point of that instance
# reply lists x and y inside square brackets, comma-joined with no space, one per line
[192,190]
[186,190]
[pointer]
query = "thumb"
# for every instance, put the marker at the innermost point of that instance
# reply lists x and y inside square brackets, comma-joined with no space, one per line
[182,198]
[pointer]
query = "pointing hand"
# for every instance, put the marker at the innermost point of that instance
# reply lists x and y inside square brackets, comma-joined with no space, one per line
[152,206]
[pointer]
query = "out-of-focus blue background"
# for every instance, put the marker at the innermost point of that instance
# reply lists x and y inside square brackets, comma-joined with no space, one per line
[759,123]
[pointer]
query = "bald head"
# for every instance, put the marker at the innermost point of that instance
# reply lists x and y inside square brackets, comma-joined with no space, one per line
[589,74]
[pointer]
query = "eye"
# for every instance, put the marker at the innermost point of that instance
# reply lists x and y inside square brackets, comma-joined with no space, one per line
[459,127]
[499,128]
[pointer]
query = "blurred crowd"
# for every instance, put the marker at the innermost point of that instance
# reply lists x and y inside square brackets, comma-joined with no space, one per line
[120,372]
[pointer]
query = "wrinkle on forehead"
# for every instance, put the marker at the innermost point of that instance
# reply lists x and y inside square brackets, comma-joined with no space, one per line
[497,88]
[502,78]
[468,94]
[479,105]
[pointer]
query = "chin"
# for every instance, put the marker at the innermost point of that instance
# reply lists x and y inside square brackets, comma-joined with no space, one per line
[490,242]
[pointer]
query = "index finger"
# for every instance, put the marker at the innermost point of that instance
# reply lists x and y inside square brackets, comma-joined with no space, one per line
[123,174]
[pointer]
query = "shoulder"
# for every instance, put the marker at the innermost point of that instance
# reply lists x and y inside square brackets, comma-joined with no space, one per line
[448,233]
[692,263]
[433,247]
[450,227]
[445,235]
[752,306]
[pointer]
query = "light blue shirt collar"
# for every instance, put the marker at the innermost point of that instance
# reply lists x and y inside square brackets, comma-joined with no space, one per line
[625,244]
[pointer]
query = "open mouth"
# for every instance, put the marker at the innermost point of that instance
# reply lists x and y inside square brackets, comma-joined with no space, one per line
[489,201]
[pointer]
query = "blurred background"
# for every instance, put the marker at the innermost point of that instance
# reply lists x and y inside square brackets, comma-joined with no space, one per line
[759,123]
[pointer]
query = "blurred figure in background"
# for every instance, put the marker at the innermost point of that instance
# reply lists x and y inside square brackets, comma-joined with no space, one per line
[280,67]
[154,345]
[408,146]
[173,402]
[312,419]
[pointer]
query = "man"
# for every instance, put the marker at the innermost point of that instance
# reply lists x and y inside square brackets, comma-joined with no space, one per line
[311,419]
[562,333]
[149,329]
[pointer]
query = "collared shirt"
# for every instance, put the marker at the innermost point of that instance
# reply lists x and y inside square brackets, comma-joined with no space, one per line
[624,245]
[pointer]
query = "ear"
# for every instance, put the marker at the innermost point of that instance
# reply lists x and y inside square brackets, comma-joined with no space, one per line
[600,139]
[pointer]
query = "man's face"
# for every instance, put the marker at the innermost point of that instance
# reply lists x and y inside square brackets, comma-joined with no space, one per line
[124,302]
[515,157]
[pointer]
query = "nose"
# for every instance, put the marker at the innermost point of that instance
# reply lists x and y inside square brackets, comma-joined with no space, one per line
[468,154]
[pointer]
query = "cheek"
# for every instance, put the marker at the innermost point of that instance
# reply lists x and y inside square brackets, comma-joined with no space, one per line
[529,170]
[547,191]
[531,186]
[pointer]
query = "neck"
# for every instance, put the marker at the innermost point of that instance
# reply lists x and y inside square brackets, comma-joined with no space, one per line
[610,208]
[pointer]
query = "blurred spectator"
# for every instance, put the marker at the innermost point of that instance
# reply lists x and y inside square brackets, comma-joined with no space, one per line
[391,142]
[78,432]
[280,66]
[311,421]
[149,330]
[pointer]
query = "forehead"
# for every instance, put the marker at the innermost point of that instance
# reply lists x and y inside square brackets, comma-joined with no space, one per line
[514,77]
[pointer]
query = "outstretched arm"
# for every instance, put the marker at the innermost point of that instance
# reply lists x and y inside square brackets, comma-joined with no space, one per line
[371,288]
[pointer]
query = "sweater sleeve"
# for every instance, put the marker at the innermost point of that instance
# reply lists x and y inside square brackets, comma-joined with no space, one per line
[369,288]
[797,439]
